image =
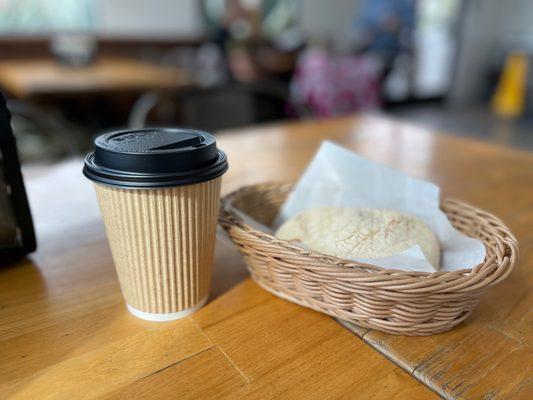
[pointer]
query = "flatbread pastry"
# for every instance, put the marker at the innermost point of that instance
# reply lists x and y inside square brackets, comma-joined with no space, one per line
[360,233]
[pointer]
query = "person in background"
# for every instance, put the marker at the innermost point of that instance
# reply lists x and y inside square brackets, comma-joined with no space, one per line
[327,84]
[257,37]
[384,29]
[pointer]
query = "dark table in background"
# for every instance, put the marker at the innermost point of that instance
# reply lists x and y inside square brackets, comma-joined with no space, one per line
[25,79]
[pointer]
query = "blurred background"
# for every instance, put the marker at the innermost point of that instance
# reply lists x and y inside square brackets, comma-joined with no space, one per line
[72,68]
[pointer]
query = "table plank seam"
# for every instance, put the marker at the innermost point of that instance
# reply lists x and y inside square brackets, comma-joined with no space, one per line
[364,334]
[234,365]
[246,379]
[174,364]
[444,389]
[396,363]
[405,368]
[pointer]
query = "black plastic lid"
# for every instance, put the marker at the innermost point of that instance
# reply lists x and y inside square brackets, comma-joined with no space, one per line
[157,157]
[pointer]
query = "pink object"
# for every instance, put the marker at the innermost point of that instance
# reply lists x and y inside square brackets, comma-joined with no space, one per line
[331,86]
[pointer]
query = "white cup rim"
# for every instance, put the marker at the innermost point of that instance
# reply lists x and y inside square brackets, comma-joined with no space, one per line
[159,317]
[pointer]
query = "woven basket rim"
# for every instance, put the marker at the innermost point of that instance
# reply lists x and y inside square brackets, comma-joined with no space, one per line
[229,218]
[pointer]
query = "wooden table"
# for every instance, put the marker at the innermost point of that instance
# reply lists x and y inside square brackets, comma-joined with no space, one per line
[27,78]
[65,333]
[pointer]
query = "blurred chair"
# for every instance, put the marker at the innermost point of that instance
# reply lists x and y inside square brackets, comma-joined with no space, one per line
[43,134]
[228,106]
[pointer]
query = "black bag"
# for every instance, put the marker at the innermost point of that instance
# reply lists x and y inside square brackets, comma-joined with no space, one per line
[17,236]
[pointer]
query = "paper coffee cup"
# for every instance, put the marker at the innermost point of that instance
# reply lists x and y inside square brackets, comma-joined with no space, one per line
[159,192]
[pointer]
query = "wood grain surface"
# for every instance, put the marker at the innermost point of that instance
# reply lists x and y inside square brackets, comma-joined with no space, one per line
[65,333]
[26,78]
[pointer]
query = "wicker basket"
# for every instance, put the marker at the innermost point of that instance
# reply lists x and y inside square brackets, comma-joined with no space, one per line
[397,302]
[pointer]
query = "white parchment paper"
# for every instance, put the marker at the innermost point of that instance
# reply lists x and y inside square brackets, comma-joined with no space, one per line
[338,177]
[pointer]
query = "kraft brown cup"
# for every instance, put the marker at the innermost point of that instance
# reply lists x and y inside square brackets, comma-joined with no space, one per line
[162,241]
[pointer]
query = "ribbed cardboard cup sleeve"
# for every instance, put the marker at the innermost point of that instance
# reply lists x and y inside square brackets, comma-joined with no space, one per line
[162,241]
